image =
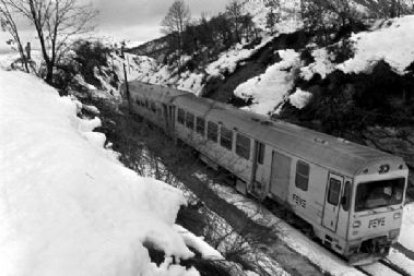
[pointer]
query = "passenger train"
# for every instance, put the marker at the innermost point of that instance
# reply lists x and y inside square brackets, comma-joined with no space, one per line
[351,195]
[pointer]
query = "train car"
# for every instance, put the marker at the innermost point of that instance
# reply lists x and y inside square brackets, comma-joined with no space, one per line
[351,195]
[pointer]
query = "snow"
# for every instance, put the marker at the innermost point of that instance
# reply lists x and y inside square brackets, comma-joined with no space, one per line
[300,98]
[227,62]
[67,205]
[407,230]
[191,82]
[270,89]
[289,13]
[92,109]
[401,260]
[322,64]
[378,269]
[198,243]
[392,44]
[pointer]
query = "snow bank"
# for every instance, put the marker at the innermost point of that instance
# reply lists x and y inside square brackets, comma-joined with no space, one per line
[300,98]
[322,65]
[227,62]
[392,43]
[270,89]
[198,243]
[407,230]
[67,206]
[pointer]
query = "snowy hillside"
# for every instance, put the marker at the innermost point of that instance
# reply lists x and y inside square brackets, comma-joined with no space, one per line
[67,205]
[390,42]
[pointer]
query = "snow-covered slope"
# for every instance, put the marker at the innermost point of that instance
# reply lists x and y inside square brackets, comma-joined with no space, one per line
[67,205]
[392,42]
[270,89]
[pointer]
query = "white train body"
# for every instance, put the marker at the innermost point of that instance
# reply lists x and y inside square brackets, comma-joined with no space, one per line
[351,195]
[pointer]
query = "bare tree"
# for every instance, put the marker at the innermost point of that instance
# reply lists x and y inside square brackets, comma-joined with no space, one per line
[9,25]
[234,10]
[55,22]
[175,21]
[273,16]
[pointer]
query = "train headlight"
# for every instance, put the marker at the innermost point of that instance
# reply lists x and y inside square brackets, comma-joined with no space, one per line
[356,224]
[394,233]
[397,215]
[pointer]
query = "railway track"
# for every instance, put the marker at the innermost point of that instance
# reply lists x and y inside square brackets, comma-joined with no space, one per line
[383,268]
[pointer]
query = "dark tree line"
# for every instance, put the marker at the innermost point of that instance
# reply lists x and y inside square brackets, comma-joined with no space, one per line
[208,35]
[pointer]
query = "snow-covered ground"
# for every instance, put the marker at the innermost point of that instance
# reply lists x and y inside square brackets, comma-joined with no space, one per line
[67,205]
[407,235]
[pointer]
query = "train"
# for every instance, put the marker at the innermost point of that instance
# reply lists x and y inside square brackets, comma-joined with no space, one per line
[352,196]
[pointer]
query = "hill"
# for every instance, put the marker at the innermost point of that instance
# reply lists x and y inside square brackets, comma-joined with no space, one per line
[353,80]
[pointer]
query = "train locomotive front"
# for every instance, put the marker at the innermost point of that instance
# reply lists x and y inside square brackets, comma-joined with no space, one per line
[376,219]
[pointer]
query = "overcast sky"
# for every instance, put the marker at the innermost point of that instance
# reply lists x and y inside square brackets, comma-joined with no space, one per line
[139,20]
[135,20]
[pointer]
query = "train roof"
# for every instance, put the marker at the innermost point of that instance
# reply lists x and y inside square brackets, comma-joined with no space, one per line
[315,147]
[155,92]
[322,149]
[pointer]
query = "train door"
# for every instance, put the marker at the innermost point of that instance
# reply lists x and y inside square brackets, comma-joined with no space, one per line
[167,123]
[169,117]
[259,179]
[280,175]
[332,202]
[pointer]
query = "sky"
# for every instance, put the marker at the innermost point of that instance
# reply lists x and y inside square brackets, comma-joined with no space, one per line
[137,21]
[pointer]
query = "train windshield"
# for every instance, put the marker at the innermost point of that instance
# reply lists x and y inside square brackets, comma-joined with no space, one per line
[377,194]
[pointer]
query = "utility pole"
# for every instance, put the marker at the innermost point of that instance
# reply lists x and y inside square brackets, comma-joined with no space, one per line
[126,78]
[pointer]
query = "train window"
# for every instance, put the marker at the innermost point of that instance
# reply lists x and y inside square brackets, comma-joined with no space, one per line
[226,138]
[302,175]
[243,146]
[334,191]
[346,198]
[212,130]
[181,116]
[380,193]
[189,120]
[200,125]
[260,152]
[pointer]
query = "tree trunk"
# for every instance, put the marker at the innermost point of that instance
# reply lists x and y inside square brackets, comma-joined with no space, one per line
[49,73]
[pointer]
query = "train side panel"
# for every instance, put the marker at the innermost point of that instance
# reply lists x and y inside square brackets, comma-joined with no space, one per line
[307,190]
[213,148]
